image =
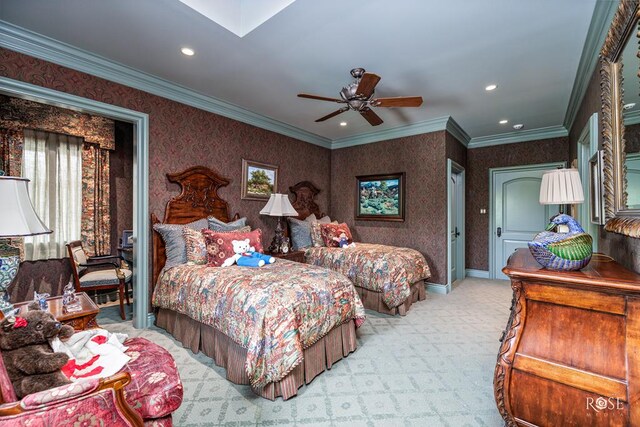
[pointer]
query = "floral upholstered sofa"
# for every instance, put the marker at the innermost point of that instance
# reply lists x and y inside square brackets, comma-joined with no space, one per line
[145,392]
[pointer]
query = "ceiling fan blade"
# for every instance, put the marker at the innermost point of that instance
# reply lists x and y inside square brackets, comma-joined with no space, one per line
[371,117]
[320,98]
[398,101]
[335,113]
[367,84]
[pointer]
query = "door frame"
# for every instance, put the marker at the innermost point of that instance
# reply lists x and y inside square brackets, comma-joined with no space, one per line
[493,172]
[454,168]
[587,146]
[18,89]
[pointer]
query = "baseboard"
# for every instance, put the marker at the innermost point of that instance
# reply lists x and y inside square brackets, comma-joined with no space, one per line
[480,274]
[151,319]
[438,288]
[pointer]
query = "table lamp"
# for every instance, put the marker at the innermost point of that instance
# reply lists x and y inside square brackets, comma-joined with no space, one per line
[564,245]
[17,219]
[278,205]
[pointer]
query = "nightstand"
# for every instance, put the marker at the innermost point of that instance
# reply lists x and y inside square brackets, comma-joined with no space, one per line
[297,256]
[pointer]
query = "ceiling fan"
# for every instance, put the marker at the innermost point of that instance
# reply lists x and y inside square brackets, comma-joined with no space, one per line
[359,97]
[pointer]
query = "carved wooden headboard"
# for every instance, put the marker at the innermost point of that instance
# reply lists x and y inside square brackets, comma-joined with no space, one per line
[303,202]
[198,199]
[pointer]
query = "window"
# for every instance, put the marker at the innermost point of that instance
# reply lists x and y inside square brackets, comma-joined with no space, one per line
[53,163]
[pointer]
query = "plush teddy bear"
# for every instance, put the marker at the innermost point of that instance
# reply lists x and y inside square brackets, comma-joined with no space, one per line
[30,362]
[245,255]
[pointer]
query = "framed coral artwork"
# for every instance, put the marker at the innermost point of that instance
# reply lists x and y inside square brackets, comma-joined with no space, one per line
[259,180]
[380,197]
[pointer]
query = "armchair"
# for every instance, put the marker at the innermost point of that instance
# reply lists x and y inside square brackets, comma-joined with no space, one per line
[98,273]
[145,392]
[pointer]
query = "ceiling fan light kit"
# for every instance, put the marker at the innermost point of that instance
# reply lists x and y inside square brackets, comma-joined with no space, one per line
[359,96]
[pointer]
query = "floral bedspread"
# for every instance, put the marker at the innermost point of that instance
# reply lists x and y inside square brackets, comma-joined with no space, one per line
[275,311]
[387,269]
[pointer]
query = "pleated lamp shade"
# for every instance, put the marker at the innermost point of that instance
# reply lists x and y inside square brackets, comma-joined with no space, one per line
[278,205]
[17,217]
[561,186]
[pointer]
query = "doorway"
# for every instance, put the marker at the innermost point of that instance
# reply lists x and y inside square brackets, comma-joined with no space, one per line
[516,213]
[141,316]
[455,223]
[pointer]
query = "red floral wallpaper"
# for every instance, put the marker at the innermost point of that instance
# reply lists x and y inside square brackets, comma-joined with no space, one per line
[183,136]
[423,159]
[479,161]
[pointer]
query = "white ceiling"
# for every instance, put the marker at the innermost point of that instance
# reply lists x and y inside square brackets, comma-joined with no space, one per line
[445,50]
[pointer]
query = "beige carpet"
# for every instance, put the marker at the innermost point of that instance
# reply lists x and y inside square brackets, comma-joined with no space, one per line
[433,367]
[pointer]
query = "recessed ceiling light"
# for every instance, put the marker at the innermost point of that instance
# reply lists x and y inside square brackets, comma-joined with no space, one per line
[188,51]
[343,123]
[518,126]
[503,122]
[629,106]
[491,87]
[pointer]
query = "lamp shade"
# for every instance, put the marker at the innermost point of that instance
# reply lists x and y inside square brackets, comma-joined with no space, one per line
[561,186]
[278,205]
[17,217]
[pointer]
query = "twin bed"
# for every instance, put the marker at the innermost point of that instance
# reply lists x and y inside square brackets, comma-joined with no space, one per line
[274,327]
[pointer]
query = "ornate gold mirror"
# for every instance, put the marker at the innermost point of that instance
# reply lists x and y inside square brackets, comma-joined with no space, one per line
[620,88]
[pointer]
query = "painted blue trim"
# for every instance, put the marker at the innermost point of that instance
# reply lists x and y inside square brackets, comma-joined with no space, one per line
[598,28]
[33,44]
[518,136]
[437,288]
[631,118]
[140,175]
[479,274]
[427,126]
[458,133]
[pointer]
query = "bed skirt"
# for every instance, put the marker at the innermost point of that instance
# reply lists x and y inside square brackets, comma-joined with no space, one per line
[373,300]
[338,343]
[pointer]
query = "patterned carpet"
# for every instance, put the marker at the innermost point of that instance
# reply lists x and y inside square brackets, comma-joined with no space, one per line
[433,367]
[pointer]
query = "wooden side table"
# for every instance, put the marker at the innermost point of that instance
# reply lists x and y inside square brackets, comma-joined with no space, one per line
[83,319]
[297,256]
[569,353]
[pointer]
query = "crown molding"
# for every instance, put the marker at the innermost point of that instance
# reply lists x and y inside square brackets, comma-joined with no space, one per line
[598,28]
[631,118]
[458,133]
[518,136]
[33,44]
[426,126]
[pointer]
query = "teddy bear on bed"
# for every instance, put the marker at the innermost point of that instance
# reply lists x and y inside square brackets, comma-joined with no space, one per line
[245,255]
[343,241]
[30,362]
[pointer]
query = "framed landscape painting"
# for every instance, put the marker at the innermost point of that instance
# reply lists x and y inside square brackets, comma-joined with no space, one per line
[380,197]
[259,180]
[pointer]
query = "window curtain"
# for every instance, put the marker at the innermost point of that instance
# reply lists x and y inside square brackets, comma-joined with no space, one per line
[96,216]
[53,163]
[11,142]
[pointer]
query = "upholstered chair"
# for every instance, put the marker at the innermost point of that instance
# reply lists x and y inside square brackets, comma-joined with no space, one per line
[98,273]
[146,392]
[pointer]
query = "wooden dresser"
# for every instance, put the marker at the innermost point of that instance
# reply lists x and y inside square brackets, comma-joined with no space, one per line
[570,354]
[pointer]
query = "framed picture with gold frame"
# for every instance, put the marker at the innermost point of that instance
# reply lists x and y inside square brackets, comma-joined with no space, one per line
[259,180]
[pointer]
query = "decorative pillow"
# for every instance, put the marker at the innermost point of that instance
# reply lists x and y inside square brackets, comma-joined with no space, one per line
[216,225]
[331,231]
[174,241]
[219,246]
[197,246]
[300,233]
[316,232]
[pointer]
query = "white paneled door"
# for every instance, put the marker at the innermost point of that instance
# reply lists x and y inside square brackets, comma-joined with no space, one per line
[517,213]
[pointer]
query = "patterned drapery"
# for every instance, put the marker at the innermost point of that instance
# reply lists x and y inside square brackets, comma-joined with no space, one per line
[96,217]
[11,143]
